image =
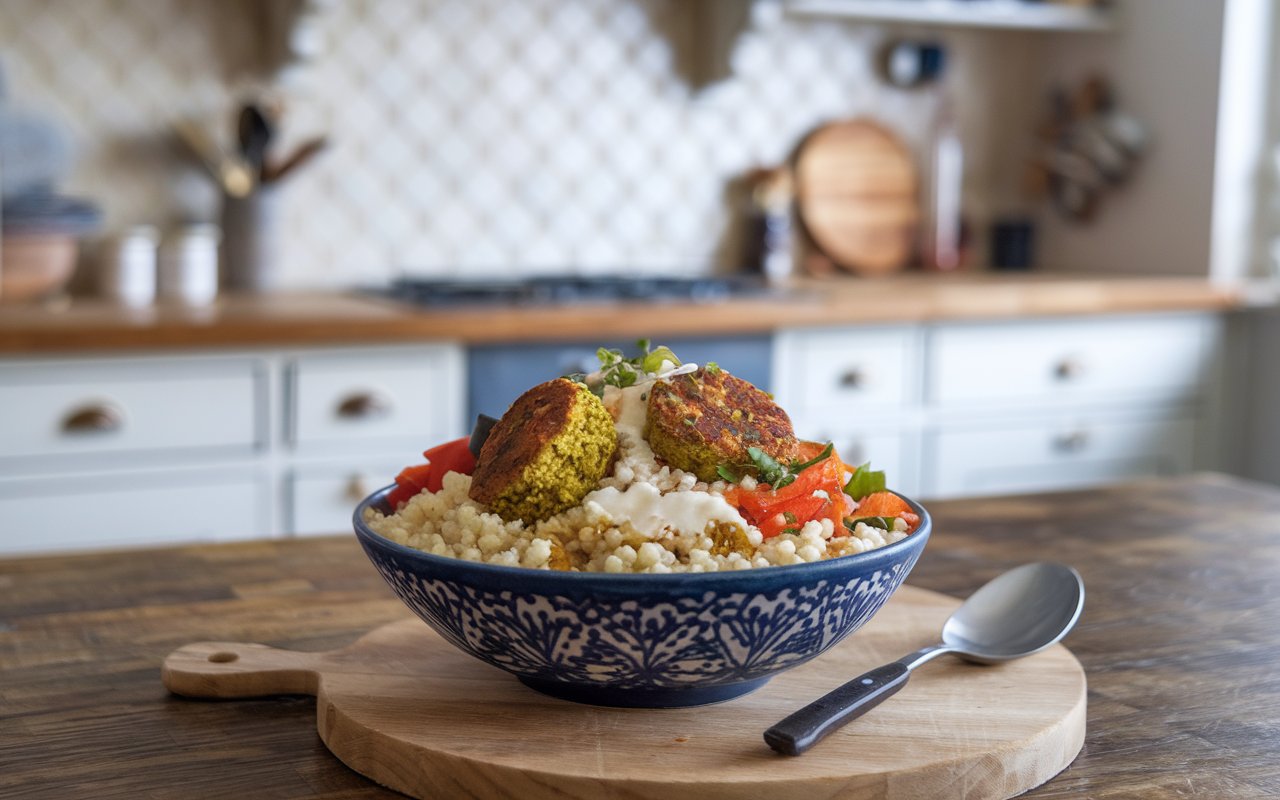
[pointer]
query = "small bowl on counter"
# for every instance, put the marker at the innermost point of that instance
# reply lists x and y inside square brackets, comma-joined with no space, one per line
[642,641]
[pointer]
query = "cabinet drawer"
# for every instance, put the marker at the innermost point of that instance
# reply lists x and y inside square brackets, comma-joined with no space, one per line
[79,408]
[1069,361]
[835,371]
[115,510]
[1055,455]
[322,499]
[412,396]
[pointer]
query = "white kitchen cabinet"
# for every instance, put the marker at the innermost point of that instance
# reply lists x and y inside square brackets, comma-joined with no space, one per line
[119,408]
[1013,406]
[1067,362]
[115,451]
[321,497]
[1068,452]
[859,388]
[81,511]
[393,395]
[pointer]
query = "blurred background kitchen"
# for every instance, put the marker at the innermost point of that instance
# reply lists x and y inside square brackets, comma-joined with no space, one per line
[258,254]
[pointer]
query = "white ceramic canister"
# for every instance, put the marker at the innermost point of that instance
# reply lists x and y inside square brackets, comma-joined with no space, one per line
[127,272]
[189,265]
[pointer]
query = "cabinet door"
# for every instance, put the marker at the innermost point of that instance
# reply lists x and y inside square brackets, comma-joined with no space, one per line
[1054,454]
[1096,360]
[321,499]
[126,406]
[90,511]
[409,396]
[833,373]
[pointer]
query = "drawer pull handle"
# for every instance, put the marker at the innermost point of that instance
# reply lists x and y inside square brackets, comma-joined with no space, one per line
[1068,369]
[852,378]
[101,418]
[1072,442]
[364,405]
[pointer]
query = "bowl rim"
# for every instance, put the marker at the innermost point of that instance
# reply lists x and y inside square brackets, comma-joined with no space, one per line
[681,580]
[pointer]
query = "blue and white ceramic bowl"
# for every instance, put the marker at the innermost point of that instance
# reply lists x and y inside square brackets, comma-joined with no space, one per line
[642,640]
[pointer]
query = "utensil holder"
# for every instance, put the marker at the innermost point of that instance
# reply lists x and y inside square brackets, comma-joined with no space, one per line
[250,241]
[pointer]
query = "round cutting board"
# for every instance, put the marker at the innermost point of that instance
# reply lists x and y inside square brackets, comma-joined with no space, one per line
[406,709]
[855,185]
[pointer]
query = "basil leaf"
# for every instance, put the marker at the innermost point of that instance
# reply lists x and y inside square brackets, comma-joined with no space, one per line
[864,482]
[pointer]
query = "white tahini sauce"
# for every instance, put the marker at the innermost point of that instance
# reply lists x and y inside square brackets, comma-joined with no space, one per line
[650,512]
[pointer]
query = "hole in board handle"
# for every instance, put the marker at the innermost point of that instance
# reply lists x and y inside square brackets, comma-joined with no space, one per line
[223,657]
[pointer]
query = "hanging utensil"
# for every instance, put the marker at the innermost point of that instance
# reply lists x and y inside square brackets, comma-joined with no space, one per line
[233,173]
[255,133]
[276,171]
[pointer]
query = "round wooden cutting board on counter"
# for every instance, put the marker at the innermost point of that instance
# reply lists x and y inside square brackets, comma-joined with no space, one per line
[856,195]
[406,709]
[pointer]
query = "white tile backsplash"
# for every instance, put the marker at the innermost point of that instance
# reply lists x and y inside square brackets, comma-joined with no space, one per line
[469,136]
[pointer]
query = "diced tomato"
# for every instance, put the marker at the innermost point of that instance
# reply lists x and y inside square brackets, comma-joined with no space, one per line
[454,456]
[816,493]
[887,504]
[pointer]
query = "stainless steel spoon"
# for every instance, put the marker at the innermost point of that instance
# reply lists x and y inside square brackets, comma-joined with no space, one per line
[1020,612]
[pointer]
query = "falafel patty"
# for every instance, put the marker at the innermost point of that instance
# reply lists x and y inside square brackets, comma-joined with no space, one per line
[698,421]
[547,452]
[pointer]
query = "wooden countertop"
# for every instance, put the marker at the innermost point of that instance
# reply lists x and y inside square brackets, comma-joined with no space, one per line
[294,319]
[1180,639]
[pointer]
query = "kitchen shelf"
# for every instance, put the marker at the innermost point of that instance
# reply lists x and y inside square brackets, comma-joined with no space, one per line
[994,14]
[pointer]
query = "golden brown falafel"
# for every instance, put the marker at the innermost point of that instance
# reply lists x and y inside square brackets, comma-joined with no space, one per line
[547,452]
[698,421]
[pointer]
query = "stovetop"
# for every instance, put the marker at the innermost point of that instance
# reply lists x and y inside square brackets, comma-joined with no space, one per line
[571,289]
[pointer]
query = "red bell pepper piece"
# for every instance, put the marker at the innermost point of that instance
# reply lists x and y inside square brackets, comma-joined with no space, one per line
[454,456]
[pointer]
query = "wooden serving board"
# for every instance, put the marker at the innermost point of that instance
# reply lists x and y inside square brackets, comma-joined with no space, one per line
[409,711]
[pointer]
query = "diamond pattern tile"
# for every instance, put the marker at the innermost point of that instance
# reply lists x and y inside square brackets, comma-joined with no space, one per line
[476,136]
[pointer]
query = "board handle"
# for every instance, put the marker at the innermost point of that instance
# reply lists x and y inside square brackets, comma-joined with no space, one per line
[237,669]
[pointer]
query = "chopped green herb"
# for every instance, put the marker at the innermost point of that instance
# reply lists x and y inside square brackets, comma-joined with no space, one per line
[768,468]
[712,368]
[790,530]
[728,474]
[773,472]
[789,517]
[822,456]
[690,421]
[617,370]
[652,361]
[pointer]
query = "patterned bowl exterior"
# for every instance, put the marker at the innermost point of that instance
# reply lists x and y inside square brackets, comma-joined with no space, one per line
[642,640]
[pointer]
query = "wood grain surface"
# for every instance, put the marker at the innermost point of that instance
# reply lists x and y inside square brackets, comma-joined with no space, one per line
[407,709]
[1180,641]
[856,195]
[318,319]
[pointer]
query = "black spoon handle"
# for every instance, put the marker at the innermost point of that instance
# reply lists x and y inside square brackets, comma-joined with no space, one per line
[803,729]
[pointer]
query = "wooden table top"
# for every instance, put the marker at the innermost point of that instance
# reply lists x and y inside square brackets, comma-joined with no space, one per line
[1180,639]
[317,318]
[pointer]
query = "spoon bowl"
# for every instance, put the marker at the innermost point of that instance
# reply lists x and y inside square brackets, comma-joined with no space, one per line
[1016,614]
